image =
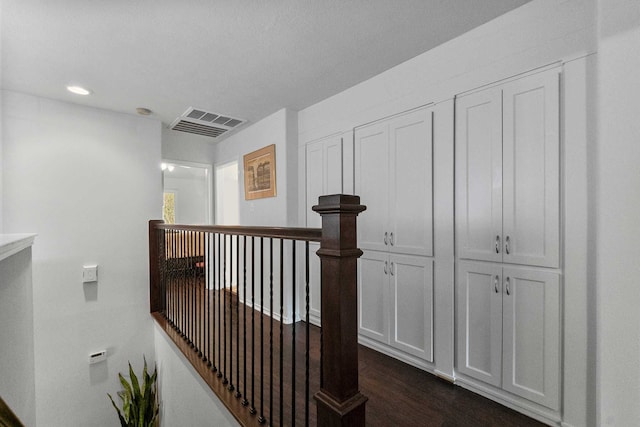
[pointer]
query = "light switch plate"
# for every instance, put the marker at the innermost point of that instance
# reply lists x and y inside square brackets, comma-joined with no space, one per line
[89,273]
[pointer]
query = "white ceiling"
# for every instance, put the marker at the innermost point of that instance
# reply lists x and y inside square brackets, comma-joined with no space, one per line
[244,58]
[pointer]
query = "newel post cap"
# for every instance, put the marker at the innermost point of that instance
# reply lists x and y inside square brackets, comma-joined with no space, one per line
[339,203]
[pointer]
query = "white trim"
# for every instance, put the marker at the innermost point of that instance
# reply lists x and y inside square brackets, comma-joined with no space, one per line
[11,244]
[521,405]
[397,354]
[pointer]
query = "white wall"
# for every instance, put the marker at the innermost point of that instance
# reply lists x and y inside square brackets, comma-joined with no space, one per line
[617,193]
[86,181]
[279,129]
[186,399]
[17,386]
[187,147]
[1,133]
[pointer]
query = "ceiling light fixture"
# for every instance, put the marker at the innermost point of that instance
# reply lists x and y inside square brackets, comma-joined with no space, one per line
[143,111]
[78,90]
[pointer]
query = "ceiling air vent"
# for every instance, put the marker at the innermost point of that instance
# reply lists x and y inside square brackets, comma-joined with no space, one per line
[205,123]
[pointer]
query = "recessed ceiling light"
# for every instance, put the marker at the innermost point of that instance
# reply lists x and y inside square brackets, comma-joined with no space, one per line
[78,90]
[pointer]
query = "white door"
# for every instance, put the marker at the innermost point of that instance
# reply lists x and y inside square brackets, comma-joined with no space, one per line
[531,334]
[372,184]
[479,321]
[412,305]
[479,175]
[411,183]
[531,184]
[373,295]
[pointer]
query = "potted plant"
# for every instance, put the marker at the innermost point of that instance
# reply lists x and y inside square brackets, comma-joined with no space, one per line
[140,407]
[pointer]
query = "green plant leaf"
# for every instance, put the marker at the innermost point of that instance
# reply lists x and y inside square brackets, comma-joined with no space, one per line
[140,406]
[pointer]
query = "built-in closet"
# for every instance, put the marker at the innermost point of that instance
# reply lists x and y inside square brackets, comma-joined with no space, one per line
[393,169]
[498,273]
[507,184]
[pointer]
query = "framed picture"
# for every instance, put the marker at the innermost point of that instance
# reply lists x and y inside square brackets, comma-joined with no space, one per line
[260,173]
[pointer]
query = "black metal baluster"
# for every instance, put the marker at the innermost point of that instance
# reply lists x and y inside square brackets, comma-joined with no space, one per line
[200,294]
[306,353]
[218,291]
[225,380]
[245,402]
[192,289]
[207,301]
[167,251]
[184,285]
[281,329]
[174,281]
[212,271]
[261,418]
[253,326]
[294,302]
[271,330]
[231,282]
[238,394]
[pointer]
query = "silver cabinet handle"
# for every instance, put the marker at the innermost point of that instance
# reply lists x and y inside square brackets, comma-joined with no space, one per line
[391,269]
[498,244]
[385,267]
[506,245]
[386,242]
[391,238]
[507,285]
[495,283]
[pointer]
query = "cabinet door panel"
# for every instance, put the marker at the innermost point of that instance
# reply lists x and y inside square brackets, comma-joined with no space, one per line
[411,183]
[531,147]
[412,305]
[479,321]
[373,310]
[372,184]
[315,181]
[333,166]
[479,175]
[532,335]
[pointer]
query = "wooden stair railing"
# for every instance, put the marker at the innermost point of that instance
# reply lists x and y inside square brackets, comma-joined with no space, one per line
[7,417]
[193,270]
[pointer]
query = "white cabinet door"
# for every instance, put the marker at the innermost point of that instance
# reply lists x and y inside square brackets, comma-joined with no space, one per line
[333,166]
[372,184]
[479,321]
[479,175]
[411,280]
[531,335]
[373,295]
[323,176]
[411,183]
[315,178]
[531,147]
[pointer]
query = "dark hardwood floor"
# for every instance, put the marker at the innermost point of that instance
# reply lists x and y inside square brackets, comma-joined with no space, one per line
[399,394]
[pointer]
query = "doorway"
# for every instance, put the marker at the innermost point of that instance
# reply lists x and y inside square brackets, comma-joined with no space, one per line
[227,190]
[187,193]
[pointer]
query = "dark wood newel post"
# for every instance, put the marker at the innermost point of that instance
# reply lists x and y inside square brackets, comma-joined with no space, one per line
[156,243]
[339,400]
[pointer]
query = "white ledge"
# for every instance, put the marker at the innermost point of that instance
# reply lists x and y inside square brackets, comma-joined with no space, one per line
[11,244]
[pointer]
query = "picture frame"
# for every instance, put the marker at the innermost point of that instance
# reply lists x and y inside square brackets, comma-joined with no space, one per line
[260,173]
